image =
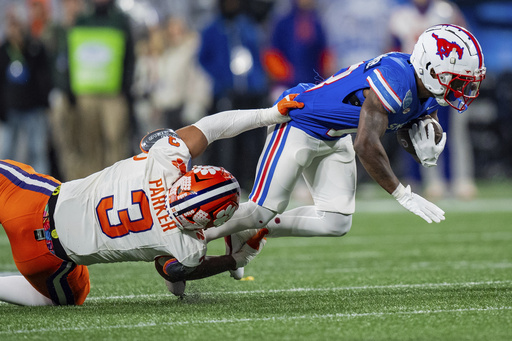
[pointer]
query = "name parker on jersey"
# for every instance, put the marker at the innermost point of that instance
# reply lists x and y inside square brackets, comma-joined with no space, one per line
[158,201]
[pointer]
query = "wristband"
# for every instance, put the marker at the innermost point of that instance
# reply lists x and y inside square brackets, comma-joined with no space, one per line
[399,192]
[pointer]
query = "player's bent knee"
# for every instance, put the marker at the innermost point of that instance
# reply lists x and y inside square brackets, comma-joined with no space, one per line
[337,224]
[258,216]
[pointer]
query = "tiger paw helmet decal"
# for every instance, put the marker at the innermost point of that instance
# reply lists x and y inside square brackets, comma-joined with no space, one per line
[204,197]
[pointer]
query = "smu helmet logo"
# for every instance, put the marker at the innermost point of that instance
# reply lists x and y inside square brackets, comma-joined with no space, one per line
[444,47]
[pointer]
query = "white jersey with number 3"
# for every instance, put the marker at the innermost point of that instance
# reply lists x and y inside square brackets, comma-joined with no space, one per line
[118,214]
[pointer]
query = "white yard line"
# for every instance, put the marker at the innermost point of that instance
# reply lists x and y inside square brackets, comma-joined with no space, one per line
[283,318]
[338,316]
[449,205]
[424,266]
[293,290]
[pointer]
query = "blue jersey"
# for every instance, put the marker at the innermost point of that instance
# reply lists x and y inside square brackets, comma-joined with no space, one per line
[332,108]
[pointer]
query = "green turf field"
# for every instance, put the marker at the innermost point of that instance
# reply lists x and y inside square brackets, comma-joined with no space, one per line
[393,277]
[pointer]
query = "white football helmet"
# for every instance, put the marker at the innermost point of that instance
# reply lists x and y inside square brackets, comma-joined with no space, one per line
[203,197]
[449,61]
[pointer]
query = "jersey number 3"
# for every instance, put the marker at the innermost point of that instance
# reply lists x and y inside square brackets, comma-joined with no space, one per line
[134,219]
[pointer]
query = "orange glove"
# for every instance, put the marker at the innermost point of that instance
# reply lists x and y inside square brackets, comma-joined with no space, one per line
[255,240]
[251,248]
[288,103]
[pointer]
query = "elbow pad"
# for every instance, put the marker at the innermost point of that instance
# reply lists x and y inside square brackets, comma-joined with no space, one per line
[174,270]
[151,138]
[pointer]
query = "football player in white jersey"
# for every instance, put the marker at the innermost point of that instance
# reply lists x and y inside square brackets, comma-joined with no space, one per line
[147,208]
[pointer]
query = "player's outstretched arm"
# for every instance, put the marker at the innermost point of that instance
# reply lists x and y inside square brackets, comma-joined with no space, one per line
[372,125]
[230,123]
[373,122]
[173,271]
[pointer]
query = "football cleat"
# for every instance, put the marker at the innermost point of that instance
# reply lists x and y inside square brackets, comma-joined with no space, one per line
[233,244]
[176,288]
[449,61]
[203,197]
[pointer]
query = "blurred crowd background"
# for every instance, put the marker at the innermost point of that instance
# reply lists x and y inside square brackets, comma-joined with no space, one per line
[81,81]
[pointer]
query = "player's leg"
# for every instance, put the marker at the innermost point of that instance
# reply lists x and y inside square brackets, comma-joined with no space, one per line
[70,290]
[277,173]
[248,216]
[236,231]
[331,177]
[63,282]
[309,221]
[17,290]
[60,282]
[24,219]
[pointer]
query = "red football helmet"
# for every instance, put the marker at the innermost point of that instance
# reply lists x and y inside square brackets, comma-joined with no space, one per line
[203,197]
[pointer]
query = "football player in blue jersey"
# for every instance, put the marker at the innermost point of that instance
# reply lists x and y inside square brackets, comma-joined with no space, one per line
[369,99]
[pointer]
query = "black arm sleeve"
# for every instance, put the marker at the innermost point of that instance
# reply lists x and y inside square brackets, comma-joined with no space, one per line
[169,268]
[175,271]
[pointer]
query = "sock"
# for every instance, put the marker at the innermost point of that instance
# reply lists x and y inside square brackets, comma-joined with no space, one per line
[307,221]
[17,290]
[248,216]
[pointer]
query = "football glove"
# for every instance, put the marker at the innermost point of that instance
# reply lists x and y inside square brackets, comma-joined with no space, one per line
[288,103]
[418,205]
[279,112]
[425,145]
[251,248]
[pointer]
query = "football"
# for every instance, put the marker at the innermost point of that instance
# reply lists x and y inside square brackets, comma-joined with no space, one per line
[404,140]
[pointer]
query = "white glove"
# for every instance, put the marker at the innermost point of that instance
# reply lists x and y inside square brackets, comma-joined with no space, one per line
[425,144]
[251,248]
[418,205]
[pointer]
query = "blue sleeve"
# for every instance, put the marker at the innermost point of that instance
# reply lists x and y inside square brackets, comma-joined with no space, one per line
[298,89]
[386,85]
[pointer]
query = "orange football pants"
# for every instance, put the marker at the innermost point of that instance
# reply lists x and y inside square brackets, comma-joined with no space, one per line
[23,197]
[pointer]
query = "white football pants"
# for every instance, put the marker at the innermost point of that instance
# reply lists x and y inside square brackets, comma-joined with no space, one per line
[329,169]
[306,221]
